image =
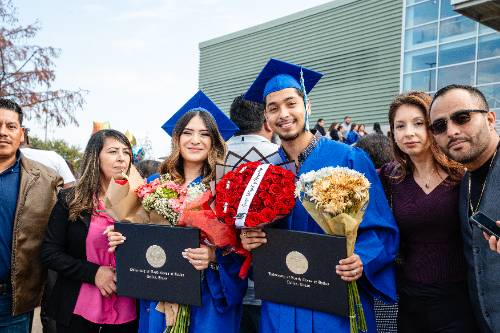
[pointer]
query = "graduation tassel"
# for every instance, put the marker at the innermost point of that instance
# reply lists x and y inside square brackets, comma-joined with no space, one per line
[303,88]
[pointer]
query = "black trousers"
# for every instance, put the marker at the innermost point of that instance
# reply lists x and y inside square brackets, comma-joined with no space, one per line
[446,314]
[250,320]
[80,325]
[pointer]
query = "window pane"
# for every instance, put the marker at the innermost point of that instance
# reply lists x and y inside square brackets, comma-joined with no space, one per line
[420,59]
[457,28]
[421,13]
[453,53]
[461,74]
[411,2]
[484,29]
[489,46]
[424,81]
[447,9]
[422,36]
[488,71]
[492,94]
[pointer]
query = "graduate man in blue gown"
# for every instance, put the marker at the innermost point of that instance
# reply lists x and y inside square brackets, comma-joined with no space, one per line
[283,89]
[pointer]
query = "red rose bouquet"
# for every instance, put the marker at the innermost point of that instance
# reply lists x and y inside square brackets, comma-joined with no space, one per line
[252,195]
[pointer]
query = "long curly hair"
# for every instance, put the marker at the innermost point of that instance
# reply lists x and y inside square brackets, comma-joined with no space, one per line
[86,191]
[403,163]
[174,164]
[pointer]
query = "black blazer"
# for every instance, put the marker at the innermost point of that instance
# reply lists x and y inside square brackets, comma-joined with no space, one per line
[63,250]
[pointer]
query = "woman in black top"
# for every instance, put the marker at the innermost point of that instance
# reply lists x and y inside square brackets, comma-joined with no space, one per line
[422,186]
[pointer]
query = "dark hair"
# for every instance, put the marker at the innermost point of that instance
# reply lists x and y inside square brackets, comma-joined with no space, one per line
[353,125]
[147,167]
[247,115]
[89,184]
[333,126]
[472,91]
[404,165]
[346,117]
[299,92]
[378,147]
[320,120]
[174,164]
[12,106]
[377,129]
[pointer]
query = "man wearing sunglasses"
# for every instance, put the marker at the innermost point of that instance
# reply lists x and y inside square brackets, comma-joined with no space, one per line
[464,129]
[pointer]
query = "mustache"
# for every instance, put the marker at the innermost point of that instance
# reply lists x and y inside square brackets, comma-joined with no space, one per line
[455,139]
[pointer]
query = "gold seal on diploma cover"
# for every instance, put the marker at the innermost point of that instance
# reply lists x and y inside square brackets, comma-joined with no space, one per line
[296,262]
[156,256]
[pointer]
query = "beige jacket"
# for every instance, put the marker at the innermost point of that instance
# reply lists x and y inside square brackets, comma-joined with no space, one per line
[37,196]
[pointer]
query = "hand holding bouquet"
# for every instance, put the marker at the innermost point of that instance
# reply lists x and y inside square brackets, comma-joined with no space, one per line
[336,198]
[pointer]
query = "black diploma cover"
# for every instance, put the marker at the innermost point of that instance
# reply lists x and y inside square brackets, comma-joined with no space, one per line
[298,268]
[149,264]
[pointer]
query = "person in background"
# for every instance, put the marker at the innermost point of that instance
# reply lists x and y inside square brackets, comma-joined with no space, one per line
[50,159]
[341,132]
[334,133]
[84,297]
[378,148]
[464,128]
[347,123]
[286,110]
[28,193]
[423,188]
[320,126]
[147,168]
[352,136]
[361,130]
[254,131]
[377,129]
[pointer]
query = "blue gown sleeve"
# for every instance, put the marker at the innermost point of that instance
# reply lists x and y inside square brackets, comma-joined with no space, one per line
[225,286]
[378,236]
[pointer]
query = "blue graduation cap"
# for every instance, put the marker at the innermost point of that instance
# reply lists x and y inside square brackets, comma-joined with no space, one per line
[278,75]
[201,102]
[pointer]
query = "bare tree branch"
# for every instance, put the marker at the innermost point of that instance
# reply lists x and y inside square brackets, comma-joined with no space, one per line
[28,72]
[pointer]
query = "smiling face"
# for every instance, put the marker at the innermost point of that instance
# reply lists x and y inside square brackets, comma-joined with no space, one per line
[462,143]
[11,133]
[195,141]
[114,159]
[410,130]
[285,113]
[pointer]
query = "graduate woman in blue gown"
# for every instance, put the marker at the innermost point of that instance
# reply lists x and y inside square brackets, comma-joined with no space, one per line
[284,94]
[197,145]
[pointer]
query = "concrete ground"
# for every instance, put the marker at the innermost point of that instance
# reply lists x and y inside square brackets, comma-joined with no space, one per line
[37,324]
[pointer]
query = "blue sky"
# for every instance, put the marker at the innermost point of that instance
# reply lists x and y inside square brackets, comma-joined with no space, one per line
[137,58]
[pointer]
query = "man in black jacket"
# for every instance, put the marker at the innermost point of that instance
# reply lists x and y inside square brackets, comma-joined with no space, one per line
[464,129]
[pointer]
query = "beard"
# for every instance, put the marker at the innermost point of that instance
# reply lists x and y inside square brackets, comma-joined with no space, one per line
[289,137]
[477,145]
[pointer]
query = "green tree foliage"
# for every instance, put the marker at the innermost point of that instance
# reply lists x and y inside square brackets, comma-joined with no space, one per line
[72,154]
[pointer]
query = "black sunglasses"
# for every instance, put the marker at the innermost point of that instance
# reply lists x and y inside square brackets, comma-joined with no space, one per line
[461,117]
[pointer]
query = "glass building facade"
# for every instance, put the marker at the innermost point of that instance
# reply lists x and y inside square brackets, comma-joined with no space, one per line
[441,47]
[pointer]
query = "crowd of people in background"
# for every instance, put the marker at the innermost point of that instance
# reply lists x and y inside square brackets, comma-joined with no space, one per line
[436,167]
